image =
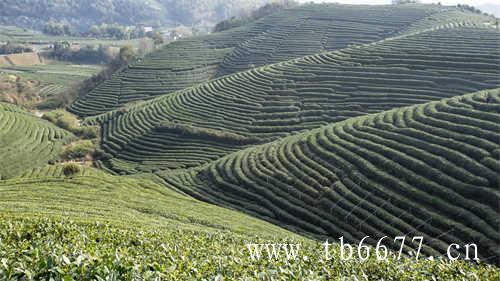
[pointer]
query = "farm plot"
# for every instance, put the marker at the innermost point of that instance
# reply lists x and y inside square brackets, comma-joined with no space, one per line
[259,105]
[429,170]
[282,36]
[92,226]
[331,27]
[26,141]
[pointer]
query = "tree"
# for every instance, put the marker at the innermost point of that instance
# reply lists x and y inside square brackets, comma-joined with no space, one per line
[10,48]
[158,39]
[71,169]
[145,46]
[55,28]
[127,53]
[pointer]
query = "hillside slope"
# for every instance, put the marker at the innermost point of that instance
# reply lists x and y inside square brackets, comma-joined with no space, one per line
[23,136]
[429,170]
[289,34]
[81,15]
[93,195]
[92,226]
[197,125]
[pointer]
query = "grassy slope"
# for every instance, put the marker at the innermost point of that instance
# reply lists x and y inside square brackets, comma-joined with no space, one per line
[428,170]
[190,127]
[97,225]
[292,33]
[27,141]
[95,196]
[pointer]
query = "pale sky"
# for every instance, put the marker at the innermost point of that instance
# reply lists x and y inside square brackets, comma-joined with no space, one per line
[444,2]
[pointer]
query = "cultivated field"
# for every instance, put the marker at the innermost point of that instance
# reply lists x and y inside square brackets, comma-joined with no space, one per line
[86,227]
[429,170]
[27,141]
[366,125]
[293,33]
[265,103]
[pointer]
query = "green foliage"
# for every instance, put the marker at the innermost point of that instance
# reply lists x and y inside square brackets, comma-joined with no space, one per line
[10,48]
[87,132]
[158,38]
[91,54]
[27,141]
[99,226]
[127,53]
[55,28]
[274,38]
[46,87]
[62,119]
[207,134]
[115,31]
[230,23]
[39,248]
[280,99]
[79,150]
[71,169]
[421,169]
[429,170]
[68,121]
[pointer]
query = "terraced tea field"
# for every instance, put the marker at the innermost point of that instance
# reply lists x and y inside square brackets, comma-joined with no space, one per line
[122,201]
[346,123]
[27,141]
[86,227]
[429,170]
[199,124]
[293,33]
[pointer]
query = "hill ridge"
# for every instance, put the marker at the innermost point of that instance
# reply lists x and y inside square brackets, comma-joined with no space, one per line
[196,60]
[352,177]
[300,94]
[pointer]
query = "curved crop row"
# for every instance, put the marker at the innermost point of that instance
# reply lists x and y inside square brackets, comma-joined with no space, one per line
[330,27]
[93,226]
[273,101]
[289,34]
[23,136]
[429,170]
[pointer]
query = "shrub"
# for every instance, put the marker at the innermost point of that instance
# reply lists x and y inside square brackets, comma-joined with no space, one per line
[71,169]
[52,103]
[207,134]
[79,150]
[102,155]
[87,132]
[11,48]
[62,119]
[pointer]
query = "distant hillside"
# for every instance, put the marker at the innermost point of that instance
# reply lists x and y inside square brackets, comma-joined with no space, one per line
[293,33]
[199,124]
[83,14]
[430,170]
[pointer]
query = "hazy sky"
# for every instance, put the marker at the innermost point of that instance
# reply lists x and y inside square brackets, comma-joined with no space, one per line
[444,2]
